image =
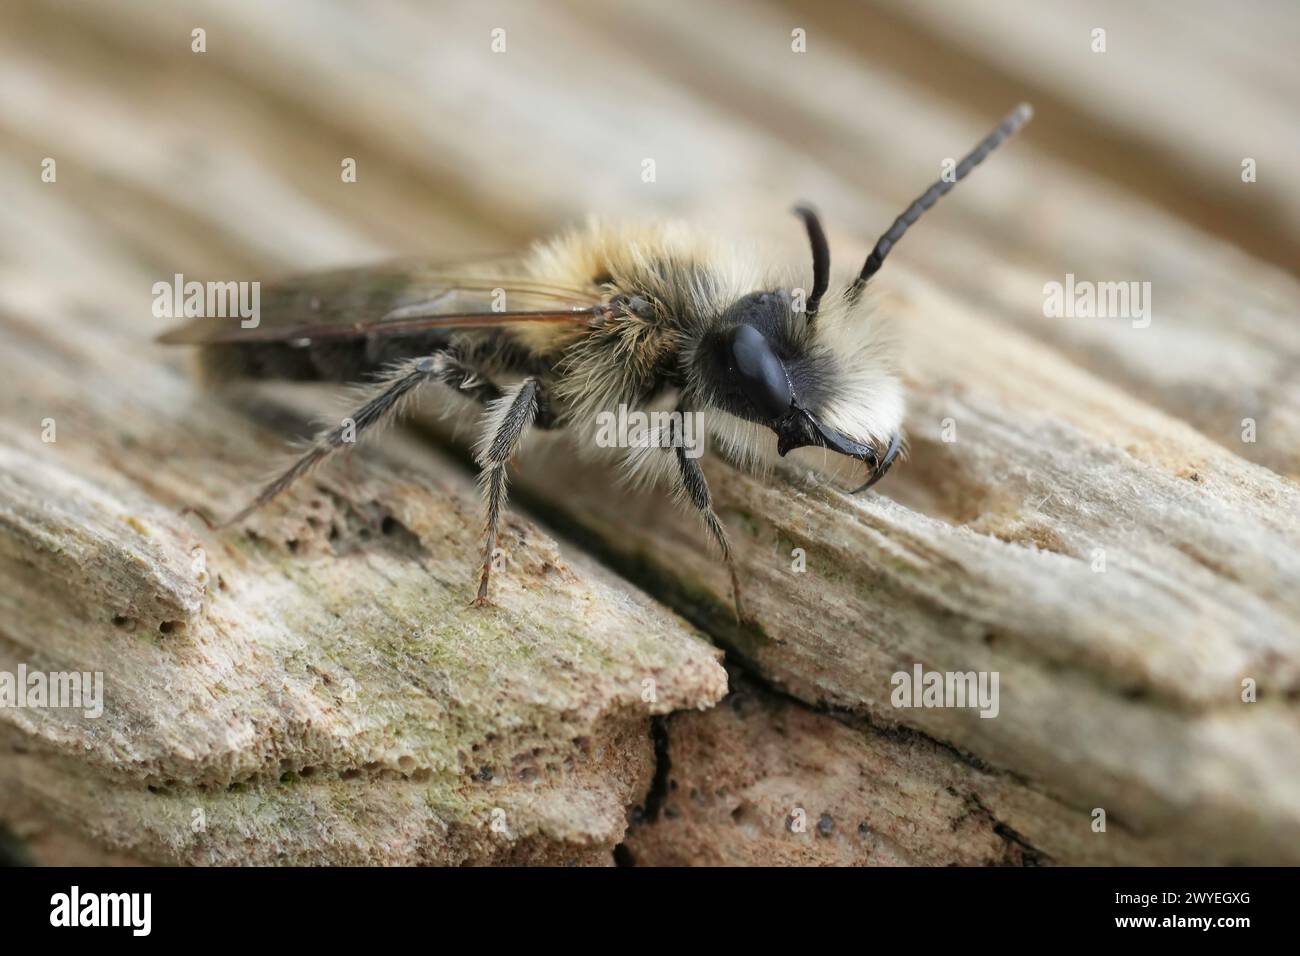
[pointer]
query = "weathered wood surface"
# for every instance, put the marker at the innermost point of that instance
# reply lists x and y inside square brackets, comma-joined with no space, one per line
[313,688]
[353,656]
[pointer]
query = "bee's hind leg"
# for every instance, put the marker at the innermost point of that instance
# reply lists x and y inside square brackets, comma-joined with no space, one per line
[387,399]
[504,425]
[697,492]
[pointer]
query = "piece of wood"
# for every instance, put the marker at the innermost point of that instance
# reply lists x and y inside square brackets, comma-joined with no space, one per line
[762,780]
[1104,515]
[311,687]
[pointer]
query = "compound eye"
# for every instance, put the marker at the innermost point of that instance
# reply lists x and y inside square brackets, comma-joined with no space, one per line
[759,373]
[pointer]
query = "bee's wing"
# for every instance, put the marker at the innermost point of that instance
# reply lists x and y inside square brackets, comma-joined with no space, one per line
[394,299]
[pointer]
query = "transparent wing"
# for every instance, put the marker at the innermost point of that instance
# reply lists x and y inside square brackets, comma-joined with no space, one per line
[397,298]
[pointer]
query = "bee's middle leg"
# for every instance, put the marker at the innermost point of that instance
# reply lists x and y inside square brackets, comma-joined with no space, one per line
[507,419]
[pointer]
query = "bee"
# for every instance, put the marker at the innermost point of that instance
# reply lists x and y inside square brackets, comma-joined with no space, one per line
[591,321]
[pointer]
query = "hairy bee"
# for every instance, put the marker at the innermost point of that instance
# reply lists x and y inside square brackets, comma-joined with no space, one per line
[588,322]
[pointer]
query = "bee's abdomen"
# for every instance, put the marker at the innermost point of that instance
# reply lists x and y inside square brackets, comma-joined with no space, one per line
[339,360]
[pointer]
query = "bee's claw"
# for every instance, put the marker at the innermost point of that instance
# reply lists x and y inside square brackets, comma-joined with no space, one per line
[481,598]
[738,604]
[202,516]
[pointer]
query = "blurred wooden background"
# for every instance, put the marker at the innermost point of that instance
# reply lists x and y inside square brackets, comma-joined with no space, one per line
[1122,689]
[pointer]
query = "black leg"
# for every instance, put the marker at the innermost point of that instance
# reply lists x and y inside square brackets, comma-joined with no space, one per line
[507,420]
[388,398]
[697,492]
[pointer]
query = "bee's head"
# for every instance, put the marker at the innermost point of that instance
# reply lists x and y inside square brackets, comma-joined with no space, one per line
[761,369]
[822,383]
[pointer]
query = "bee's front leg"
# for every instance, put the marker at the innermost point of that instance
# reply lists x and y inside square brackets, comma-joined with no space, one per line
[504,425]
[697,492]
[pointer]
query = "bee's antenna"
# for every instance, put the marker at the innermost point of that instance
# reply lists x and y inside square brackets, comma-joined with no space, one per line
[1008,127]
[821,253]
